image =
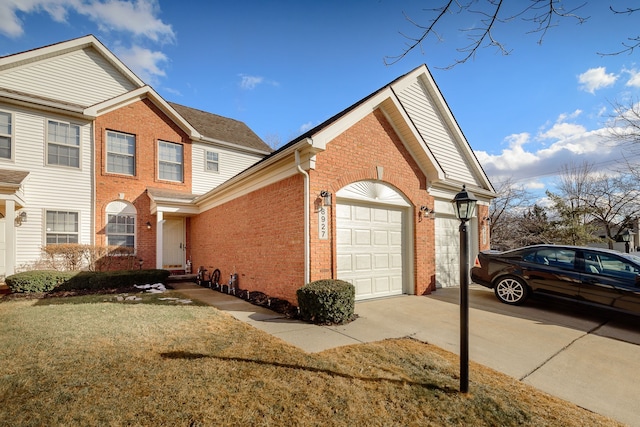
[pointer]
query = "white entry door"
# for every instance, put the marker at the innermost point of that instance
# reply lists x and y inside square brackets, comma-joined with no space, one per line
[370,248]
[173,239]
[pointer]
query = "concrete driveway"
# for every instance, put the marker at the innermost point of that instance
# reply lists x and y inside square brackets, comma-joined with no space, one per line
[585,356]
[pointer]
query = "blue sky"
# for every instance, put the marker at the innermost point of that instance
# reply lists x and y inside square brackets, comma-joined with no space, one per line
[285,66]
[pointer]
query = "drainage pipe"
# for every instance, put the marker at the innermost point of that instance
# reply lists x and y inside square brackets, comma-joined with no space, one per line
[307,259]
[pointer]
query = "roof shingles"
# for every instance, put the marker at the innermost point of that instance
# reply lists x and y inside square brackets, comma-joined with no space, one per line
[221,128]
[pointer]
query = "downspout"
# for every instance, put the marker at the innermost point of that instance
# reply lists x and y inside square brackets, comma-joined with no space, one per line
[307,260]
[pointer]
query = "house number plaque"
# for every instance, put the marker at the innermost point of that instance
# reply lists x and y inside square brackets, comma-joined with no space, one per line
[323,224]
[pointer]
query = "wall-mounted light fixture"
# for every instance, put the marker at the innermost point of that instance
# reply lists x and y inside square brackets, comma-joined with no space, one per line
[425,212]
[326,197]
[148,225]
[21,217]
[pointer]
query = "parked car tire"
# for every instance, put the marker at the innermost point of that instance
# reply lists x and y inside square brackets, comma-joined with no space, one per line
[511,290]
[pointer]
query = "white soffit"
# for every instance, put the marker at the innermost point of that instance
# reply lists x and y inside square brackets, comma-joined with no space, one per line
[372,191]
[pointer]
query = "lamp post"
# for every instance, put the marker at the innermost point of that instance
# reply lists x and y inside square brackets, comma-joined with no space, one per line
[626,238]
[465,206]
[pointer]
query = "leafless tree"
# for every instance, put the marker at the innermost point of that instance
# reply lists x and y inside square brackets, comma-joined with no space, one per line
[591,204]
[505,212]
[539,15]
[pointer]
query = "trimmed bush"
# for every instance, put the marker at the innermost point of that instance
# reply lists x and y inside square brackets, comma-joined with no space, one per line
[46,280]
[327,301]
[38,280]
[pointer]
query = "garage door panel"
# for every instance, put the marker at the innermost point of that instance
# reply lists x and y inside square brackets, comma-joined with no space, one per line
[362,237]
[370,248]
[396,261]
[382,285]
[343,211]
[361,213]
[363,262]
[343,237]
[345,262]
[363,286]
[380,237]
[396,284]
[395,238]
[381,261]
[380,215]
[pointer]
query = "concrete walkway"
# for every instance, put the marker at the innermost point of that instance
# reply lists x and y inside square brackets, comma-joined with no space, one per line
[590,359]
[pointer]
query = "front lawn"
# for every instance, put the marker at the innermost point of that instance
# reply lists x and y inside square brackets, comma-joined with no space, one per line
[103,361]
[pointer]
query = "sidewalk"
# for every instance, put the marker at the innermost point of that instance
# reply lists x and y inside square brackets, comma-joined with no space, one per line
[591,361]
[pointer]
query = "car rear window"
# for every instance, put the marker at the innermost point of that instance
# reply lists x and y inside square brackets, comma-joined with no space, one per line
[556,257]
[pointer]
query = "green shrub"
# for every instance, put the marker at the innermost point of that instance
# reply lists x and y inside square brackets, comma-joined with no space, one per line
[38,280]
[46,280]
[327,301]
[96,280]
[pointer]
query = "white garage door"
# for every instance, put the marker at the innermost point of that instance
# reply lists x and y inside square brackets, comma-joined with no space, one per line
[447,252]
[370,248]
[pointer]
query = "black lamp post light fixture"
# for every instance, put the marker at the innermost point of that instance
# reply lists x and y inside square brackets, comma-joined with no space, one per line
[465,206]
[626,238]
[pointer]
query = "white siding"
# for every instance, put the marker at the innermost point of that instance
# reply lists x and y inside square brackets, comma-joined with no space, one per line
[81,77]
[423,111]
[230,163]
[49,187]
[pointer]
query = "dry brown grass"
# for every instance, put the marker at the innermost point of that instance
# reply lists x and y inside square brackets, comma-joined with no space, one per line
[140,364]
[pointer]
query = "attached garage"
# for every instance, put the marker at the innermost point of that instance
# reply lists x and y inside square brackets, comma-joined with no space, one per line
[371,220]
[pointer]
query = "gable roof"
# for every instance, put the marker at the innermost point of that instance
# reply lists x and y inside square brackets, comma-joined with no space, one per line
[414,105]
[431,135]
[221,129]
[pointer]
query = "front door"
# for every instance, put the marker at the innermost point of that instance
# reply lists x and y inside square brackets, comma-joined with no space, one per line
[173,249]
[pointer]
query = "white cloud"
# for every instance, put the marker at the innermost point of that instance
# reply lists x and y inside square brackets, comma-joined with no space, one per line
[634,78]
[138,17]
[305,127]
[250,82]
[563,131]
[596,78]
[143,62]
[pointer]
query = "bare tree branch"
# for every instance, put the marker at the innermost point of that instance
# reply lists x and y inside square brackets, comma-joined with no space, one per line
[541,13]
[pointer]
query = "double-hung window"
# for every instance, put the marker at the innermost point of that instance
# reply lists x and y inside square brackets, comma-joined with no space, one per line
[6,136]
[121,224]
[170,161]
[121,230]
[121,153]
[63,144]
[211,162]
[62,227]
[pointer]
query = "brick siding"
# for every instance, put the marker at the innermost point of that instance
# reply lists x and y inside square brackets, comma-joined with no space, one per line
[149,124]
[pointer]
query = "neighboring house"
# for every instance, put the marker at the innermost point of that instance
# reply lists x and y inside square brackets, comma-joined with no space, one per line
[90,154]
[93,155]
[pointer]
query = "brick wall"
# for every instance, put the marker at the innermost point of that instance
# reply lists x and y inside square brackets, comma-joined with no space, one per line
[260,236]
[149,124]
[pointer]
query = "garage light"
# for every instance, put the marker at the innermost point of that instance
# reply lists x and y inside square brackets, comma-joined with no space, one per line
[326,197]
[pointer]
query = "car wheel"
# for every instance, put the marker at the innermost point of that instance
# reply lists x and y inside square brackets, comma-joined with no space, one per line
[511,290]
